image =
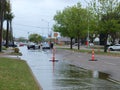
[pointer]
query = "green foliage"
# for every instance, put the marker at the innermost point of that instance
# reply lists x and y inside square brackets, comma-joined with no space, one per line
[35,38]
[21,39]
[71,22]
[8,16]
[2,11]
[107,16]
[4,48]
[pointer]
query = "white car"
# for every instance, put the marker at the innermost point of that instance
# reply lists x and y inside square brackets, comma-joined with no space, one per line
[45,45]
[33,46]
[91,44]
[115,47]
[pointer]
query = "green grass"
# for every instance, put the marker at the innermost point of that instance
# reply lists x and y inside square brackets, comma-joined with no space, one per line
[96,52]
[16,75]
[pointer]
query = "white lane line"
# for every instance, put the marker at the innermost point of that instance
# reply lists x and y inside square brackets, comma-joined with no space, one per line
[110,63]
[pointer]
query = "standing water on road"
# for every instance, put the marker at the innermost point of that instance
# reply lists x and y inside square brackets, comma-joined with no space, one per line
[63,76]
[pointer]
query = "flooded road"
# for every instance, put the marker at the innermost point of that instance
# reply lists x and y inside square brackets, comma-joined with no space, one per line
[62,76]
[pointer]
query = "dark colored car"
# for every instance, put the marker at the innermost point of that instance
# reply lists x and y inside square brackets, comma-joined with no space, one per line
[10,44]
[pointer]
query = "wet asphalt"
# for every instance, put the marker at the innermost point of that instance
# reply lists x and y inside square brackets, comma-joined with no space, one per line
[71,71]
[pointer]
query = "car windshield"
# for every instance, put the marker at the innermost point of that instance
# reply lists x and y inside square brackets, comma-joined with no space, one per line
[45,44]
[31,43]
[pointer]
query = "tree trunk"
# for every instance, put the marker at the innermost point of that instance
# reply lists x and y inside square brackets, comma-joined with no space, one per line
[105,43]
[78,42]
[113,38]
[11,33]
[2,7]
[1,29]
[71,43]
[7,33]
[102,39]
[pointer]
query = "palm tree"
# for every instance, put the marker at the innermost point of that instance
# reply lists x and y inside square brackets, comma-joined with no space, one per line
[8,16]
[11,30]
[2,11]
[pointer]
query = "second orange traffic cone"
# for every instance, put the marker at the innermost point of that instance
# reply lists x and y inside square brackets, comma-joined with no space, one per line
[93,56]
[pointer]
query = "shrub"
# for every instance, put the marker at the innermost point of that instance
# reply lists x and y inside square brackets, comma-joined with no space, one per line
[16,50]
[4,48]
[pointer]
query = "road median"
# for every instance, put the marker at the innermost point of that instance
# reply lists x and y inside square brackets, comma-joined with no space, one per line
[15,74]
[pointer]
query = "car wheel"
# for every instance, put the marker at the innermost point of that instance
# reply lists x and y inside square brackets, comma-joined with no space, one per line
[111,49]
[28,47]
[33,47]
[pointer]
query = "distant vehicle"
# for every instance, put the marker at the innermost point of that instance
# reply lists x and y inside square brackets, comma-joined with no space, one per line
[45,45]
[76,44]
[21,44]
[115,47]
[91,44]
[33,46]
[10,44]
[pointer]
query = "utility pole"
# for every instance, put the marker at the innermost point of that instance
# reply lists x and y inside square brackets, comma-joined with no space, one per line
[2,7]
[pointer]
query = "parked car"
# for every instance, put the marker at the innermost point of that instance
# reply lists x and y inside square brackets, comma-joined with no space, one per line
[45,45]
[21,44]
[115,47]
[91,44]
[33,46]
[10,44]
[76,44]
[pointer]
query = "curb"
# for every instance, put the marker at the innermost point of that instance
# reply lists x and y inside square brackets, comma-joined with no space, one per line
[39,86]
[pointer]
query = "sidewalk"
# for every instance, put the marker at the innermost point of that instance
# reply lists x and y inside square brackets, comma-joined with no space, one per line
[7,53]
[106,64]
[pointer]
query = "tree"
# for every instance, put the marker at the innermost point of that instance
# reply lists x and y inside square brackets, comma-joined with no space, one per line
[8,17]
[62,25]
[71,22]
[105,11]
[22,39]
[4,34]
[5,11]
[2,11]
[11,29]
[35,38]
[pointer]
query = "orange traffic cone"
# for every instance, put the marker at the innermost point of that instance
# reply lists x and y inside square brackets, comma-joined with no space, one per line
[93,56]
[53,56]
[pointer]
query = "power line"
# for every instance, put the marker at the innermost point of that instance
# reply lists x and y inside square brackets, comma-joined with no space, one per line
[20,30]
[31,26]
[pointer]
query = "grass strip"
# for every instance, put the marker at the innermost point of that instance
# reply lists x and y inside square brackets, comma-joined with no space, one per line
[96,52]
[16,75]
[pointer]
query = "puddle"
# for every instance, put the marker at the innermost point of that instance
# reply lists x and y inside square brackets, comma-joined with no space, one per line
[70,77]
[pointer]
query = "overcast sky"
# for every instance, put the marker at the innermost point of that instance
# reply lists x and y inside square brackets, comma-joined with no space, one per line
[33,16]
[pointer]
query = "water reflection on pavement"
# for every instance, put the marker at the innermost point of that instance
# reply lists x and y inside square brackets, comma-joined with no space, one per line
[63,76]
